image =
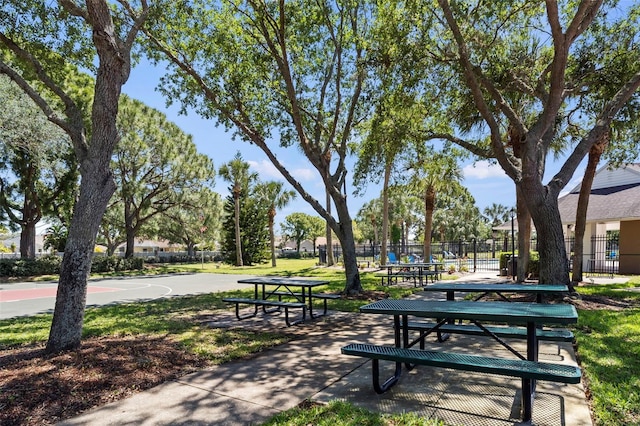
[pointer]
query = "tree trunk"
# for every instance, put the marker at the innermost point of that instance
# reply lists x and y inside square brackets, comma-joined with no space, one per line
[96,189]
[30,214]
[236,202]
[131,242]
[96,184]
[28,240]
[429,207]
[330,260]
[524,236]
[347,241]
[583,204]
[546,217]
[272,238]
[385,215]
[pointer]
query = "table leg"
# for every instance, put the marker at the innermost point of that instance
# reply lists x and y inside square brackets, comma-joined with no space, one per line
[442,337]
[528,393]
[382,388]
[529,385]
[310,302]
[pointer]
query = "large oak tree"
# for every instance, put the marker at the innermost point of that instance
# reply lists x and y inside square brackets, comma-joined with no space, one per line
[515,61]
[39,40]
[287,72]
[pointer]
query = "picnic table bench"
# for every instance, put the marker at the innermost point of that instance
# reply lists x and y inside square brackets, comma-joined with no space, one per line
[514,332]
[416,272]
[269,292]
[264,303]
[322,296]
[525,369]
[528,368]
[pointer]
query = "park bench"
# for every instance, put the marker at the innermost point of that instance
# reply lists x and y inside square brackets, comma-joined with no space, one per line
[528,371]
[298,296]
[277,304]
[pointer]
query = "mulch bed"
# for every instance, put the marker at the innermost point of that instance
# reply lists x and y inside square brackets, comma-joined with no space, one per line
[41,389]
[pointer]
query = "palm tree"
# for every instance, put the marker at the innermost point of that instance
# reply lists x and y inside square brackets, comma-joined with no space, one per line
[496,214]
[276,197]
[439,173]
[236,172]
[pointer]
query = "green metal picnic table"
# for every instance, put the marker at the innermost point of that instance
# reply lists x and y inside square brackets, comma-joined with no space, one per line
[498,288]
[532,315]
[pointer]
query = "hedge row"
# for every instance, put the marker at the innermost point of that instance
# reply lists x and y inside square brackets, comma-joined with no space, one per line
[183,258]
[50,265]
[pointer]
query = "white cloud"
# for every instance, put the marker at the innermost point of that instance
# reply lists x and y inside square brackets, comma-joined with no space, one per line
[303,174]
[483,170]
[265,169]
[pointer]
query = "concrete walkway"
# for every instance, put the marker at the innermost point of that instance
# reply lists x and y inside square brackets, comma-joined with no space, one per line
[312,367]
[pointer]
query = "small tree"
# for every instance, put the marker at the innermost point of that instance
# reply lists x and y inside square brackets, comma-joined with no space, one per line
[253,222]
[275,197]
[301,226]
[156,166]
[37,167]
[237,173]
[196,222]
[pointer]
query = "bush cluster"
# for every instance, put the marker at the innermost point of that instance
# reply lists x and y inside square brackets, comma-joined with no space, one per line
[46,265]
[102,264]
[50,265]
[183,258]
[534,263]
[292,254]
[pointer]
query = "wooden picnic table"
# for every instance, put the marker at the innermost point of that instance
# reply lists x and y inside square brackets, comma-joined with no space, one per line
[498,288]
[527,367]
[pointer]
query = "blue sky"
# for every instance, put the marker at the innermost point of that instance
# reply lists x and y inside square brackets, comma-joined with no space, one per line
[488,184]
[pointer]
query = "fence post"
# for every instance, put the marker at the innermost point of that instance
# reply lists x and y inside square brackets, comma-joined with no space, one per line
[475,254]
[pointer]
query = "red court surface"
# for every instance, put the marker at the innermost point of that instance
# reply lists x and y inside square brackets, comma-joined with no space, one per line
[40,293]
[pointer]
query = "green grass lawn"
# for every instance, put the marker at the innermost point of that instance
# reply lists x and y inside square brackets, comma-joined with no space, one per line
[608,346]
[608,340]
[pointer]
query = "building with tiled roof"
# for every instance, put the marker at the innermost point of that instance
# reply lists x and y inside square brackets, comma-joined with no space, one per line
[614,204]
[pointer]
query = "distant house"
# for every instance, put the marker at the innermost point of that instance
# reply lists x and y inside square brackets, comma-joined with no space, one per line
[152,247]
[614,205]
[306,246]
[14,240]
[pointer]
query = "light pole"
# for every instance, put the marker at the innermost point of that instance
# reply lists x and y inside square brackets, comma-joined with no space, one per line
[513,246]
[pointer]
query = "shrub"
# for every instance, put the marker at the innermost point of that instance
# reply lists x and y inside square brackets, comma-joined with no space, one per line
[534,264]
[46,265]
[289,254]
[101,264]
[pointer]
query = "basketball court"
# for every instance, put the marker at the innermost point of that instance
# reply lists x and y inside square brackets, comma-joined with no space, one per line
[31,298]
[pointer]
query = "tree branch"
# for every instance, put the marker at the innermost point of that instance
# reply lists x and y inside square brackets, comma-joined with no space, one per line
[74,126]
[475,86]
[602,126]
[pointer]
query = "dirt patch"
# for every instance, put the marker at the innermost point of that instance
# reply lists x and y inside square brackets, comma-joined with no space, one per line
[592,303]
[368,295]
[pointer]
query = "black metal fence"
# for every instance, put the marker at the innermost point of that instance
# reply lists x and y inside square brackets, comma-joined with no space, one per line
[600,257]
